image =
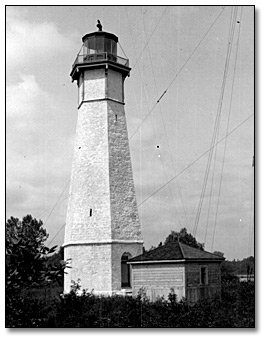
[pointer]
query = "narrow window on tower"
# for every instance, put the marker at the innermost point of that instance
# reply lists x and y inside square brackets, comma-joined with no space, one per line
[116,117]
[90,212]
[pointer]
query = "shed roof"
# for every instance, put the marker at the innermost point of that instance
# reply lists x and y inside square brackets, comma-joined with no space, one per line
[175,251]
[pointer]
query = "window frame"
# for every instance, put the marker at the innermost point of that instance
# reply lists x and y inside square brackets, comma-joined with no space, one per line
[205,281]
[124,264]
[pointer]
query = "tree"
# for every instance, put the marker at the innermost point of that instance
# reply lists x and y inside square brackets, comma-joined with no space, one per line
[184,237]
[218,253]
[28,266]
[26,254]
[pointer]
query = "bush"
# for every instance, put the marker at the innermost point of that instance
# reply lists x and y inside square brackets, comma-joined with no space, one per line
[80,309]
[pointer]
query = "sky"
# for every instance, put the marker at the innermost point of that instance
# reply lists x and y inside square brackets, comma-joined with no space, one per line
[178,49]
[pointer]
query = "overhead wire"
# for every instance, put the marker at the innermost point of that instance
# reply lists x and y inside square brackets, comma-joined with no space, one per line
[251,236]
[159,99]
[227,129]
[149,37]
[213,173]
[251,211]
[196,160]
[177,74]
[49,209]
[56,234]
[216,127]
[210,197]
[189,165]
[161,160]
[154,131]
[145,93]
[166,135]
[56,202]
[122,49]
[217,123]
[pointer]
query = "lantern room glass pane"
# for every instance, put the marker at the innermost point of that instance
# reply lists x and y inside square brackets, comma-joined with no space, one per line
[91,45]
[108,45]
[114,48]
[99,44]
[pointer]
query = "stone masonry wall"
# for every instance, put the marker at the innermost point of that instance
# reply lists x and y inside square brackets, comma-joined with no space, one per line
[92,265]
[124,211]
[115,85]
[94,84]
[90,178]
[117,251]
[101,180]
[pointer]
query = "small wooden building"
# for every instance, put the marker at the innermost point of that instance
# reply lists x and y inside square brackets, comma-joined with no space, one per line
[191,272]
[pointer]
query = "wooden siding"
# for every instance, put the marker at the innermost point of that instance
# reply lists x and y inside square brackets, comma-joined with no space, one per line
[194,289]
[157,280]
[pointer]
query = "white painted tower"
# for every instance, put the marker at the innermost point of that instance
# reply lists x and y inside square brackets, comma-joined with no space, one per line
[102,226]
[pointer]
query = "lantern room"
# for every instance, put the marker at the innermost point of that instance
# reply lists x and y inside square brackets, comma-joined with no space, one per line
[99,49]
[100,42]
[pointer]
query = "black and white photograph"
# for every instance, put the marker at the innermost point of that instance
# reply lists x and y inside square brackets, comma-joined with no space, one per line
[130,166]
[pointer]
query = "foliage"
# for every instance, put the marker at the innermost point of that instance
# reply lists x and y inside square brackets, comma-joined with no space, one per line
[184,237]
[56,261]
[30,263]
[245,266]
[27,266]
[80,309]
[229,269]
[27,254]
[218,253]
[57,257]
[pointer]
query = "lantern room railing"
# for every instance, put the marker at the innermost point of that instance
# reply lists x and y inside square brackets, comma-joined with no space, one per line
[100,56]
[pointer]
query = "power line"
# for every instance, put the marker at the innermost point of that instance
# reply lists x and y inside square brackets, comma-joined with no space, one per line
[227,129]
[153,127]
[197,159]
[196,48]
[251,210]
[212,180]
[56,202]
[165,91]
[149,37]
[217,122]
[143,87]
[56,234]
[251,219]
[164,127]
[48,209]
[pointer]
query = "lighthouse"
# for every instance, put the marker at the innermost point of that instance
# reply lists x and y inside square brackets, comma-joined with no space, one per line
[102,226]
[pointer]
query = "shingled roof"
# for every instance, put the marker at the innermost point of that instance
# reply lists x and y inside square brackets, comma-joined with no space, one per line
[175,251]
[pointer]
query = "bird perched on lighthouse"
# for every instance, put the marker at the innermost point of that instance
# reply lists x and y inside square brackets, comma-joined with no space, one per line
[99,26]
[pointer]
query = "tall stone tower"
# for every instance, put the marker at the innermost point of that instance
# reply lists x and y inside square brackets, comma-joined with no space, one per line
[102,226]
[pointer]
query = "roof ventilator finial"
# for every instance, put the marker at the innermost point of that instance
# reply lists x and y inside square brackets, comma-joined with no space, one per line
[99,26]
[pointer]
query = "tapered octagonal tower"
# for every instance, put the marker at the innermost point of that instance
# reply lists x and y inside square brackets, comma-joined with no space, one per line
[102,226]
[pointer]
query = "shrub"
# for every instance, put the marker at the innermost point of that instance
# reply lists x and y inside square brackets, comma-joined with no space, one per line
[82,309]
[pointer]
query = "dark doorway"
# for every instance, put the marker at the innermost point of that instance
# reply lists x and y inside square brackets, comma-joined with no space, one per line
[125,271]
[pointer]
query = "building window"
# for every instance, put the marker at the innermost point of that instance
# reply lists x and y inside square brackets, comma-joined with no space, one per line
[204,276]
[125,270]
